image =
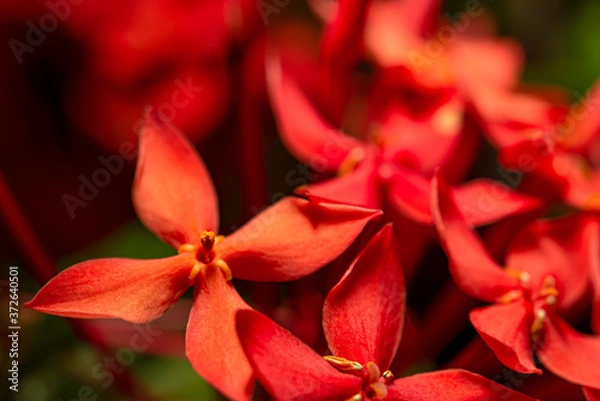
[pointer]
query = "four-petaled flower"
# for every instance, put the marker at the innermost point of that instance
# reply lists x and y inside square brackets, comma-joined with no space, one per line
[174,197]
[545,280]
[363,318]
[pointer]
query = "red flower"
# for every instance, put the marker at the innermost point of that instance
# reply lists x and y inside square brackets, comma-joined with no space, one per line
[559,149]
[545,279]
[174,197]
[363,318]
[378,165]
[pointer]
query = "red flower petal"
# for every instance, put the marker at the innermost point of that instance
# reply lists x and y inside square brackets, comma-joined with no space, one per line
[342,44]
[212,343]
[305,133]
[138,291]
[471,265]
[344,188]
[506,330]
[451,385]
[595,278]
[364,313]
[481,201]
[561,248]
[293,238]
[591,394]
[568,353]
[286,367]
[173,194]
[394,29]
[485,201]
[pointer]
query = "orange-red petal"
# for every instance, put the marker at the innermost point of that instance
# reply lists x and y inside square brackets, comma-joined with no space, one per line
[138,291]
[451,385]
[506,330]
[287,368]
[211,342]
[173,193]
[304,131]
[569,354]
[293,238]
[471,265]
[363,314]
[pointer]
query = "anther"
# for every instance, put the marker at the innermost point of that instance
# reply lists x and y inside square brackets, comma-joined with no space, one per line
[374,372]
[510,296]
[388,376]
[186,248]
[357,397]
[538,323]
[524,278]
[343,364]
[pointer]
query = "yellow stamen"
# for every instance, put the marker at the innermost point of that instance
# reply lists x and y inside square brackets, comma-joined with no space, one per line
[357,397]
[388,376]
[523,277]
[221,264]
[374,372]
[343,364]
[187,248]
[195,270]
[538,323]
[354,157]
[510,296]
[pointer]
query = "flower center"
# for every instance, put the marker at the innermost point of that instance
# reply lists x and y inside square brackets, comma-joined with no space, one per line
[545,296]
[374,382]
[206,255]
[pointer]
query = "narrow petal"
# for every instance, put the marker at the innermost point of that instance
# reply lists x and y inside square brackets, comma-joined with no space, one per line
[138,291]
[342,44]
[364,313]
[471,266]
[451,385]
[212,343]
[287,368]
[484,201]
[293,238]
[562,248]
[173,193]
[480,201]
[506,330]
[569,354]
[343,188]
[303,130]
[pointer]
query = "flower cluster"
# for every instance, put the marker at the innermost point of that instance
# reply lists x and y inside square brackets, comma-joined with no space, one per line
[389,110]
